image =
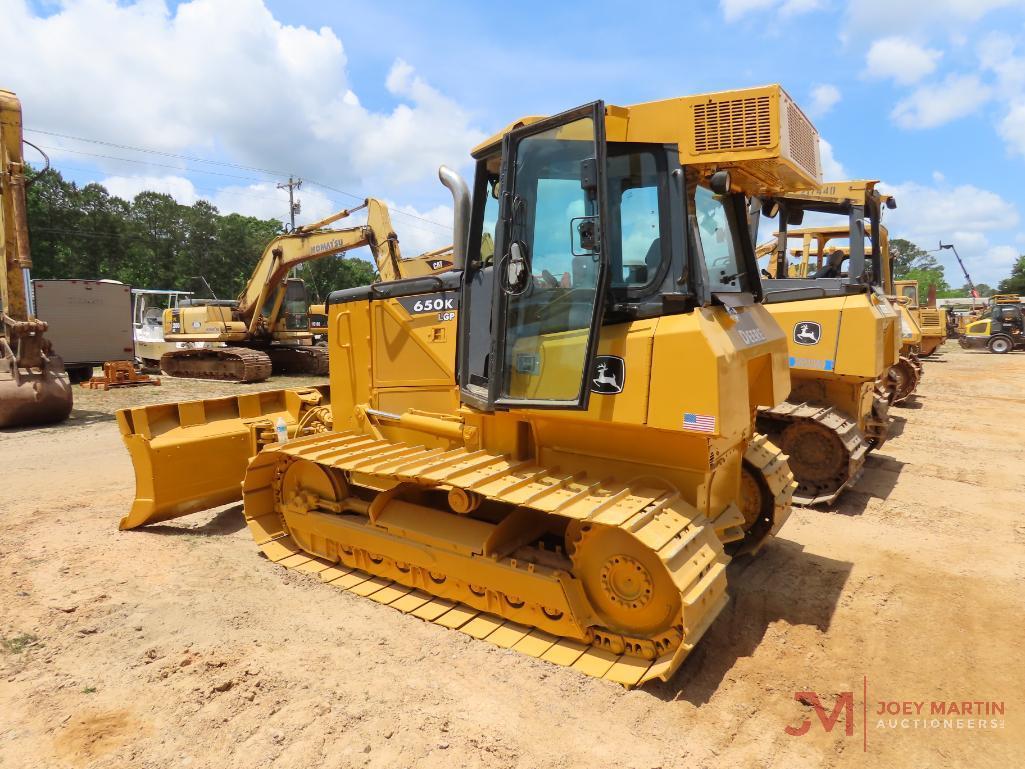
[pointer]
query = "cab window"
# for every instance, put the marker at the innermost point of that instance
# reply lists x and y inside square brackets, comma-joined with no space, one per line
[717,241]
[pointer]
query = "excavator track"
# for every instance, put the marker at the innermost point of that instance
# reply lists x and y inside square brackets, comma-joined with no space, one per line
[616,580]
[767,489]
[303,359]
[230,364]
[825,450]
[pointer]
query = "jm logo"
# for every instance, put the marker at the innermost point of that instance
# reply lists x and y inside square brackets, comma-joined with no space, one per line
[844,706]
[610,375]
[807,332]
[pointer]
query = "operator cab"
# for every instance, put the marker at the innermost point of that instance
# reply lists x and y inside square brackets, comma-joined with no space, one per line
[837,270]
[568,232]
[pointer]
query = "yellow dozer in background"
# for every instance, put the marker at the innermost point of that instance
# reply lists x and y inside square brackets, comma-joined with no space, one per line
[843,340]
[267,328]
[34,387]
[931,320]
[573,487]
[813,257]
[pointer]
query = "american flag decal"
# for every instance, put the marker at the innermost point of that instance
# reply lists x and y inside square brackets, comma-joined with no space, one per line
[702,423]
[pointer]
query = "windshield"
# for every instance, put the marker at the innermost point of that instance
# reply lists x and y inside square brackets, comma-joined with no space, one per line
[717,241]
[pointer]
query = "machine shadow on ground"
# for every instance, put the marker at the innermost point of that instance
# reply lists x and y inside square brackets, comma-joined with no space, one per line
[897,425]
[226,521]
[759,588]
[877,482]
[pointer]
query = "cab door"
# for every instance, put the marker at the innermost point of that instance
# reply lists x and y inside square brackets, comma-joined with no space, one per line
[551,266]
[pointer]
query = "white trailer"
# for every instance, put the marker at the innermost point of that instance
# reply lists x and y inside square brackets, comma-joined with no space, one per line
[90,321]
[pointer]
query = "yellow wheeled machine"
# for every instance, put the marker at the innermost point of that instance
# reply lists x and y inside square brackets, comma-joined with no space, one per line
[843,340]
[1002,331]
[574,487]
[34,387]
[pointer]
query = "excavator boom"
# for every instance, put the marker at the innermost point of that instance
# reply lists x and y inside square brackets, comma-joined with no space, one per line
[34,387]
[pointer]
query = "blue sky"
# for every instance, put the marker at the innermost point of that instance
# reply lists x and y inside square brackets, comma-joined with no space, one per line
[368,98]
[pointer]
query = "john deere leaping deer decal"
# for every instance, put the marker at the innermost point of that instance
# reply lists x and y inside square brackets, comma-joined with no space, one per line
[807,332]
[609,375]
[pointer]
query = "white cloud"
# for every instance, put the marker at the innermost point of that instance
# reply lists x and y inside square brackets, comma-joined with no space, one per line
[935,211]
[224,76]
[909,15]
[901,59]
[965,215]
[832,169]
[127,187]
[939,103]
[735,10]
[823,98]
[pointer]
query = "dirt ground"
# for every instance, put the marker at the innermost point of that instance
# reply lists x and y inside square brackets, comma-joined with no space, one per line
[178,646]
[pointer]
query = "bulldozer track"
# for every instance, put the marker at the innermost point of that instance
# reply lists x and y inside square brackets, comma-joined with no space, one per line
[848,444]
[906,376]
[302,359]
[417,571]
[232,364]
[770,505]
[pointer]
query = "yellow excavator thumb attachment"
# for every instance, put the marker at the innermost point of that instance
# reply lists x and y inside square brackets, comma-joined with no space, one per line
[192,455]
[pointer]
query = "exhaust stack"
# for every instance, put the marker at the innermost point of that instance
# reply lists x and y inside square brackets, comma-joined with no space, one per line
[461,213]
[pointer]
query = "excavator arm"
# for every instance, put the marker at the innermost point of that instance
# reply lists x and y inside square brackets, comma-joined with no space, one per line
[309,243]
[34,387]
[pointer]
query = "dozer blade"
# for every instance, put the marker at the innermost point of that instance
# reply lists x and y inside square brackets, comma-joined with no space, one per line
[192,455]
[33,396]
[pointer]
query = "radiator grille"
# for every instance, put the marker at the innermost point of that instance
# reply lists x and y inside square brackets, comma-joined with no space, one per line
[802,139]
[731,124]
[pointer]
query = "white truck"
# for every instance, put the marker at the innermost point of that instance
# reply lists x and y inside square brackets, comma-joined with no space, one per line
[90,321]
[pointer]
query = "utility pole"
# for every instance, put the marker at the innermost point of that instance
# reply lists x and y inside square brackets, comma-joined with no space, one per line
[294,206]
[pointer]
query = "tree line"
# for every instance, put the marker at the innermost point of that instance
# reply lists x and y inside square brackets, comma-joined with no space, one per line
[153,241]
[909,262]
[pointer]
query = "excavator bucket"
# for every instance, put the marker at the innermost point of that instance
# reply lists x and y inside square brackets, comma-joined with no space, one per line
[33,396]
[192,456]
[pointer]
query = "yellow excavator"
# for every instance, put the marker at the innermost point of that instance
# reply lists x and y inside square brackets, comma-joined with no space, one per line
[267,328]
[428,263]
[931,319]
[843,340]
[34,387]
[573,482]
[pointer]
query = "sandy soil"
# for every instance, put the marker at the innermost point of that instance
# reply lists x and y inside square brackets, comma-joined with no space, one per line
[178,646]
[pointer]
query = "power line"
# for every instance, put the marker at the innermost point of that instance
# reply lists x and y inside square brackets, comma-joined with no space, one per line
[197,159]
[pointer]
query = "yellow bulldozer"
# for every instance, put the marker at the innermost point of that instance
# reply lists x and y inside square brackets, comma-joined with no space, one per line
[550,446]
[34,387]
[931,320]
[842,335]
[812,258]
[268,327]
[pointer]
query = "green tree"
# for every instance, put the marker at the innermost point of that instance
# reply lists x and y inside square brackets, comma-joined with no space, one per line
[153,241]
[983,289]
[1015,282]
[904,254]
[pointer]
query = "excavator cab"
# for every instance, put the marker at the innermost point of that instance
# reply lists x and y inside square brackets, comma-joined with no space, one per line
[296,306]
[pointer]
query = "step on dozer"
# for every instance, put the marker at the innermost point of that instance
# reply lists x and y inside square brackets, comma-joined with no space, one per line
[567,490]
